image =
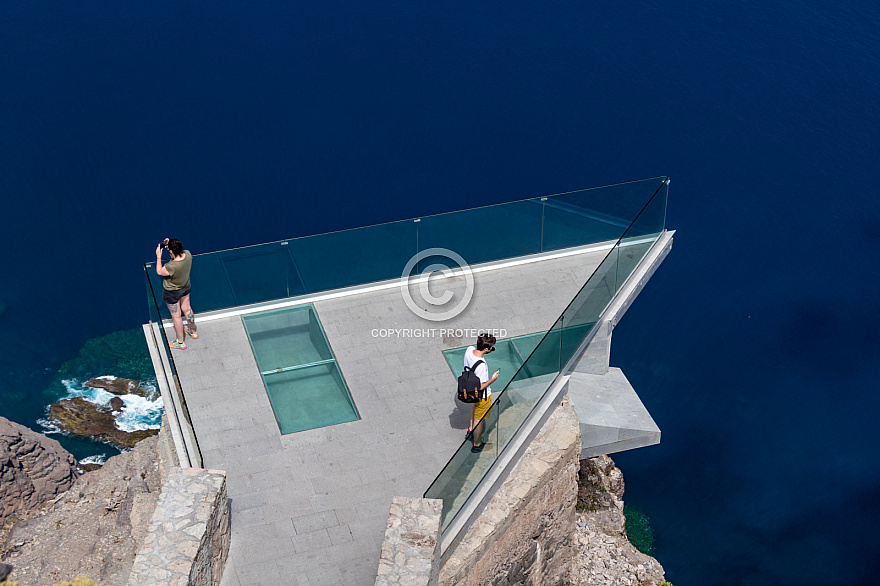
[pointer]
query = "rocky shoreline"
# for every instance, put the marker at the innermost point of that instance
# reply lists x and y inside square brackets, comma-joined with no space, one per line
[94,529]
[605,555]
[34,469]
[80,417]
[92,524]
[85,419]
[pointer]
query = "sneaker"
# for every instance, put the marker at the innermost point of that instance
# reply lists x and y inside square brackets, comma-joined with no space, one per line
[192,334]
[468,435]
[479,448]
[177,345]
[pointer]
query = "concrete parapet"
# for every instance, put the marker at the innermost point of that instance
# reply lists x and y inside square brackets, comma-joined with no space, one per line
[411,550]
[168,461]
[188,539]
[612,417]
[524,536]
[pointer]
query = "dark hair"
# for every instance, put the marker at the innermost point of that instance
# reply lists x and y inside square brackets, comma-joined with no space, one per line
[485,341]
[175,246]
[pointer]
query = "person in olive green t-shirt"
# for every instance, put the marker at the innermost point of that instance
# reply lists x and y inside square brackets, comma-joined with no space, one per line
[176,288]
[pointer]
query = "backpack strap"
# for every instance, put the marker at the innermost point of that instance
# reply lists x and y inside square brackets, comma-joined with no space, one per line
[476,364]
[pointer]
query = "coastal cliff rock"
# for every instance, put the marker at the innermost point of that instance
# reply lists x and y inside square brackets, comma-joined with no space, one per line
[117,386]
[92,530]
[33,469]
[606,555]
[80,417]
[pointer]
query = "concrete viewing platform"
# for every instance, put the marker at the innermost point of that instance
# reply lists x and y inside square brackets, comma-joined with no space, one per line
[310,508]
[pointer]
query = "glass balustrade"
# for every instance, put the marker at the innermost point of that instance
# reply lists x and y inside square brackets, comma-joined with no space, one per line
[323,262]
[546,359]
[629,215]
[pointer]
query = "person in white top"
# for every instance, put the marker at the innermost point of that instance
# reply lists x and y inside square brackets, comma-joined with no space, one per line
[485,345]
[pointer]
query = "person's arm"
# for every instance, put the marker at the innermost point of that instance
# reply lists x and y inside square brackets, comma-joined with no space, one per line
[160,270]
[491,380]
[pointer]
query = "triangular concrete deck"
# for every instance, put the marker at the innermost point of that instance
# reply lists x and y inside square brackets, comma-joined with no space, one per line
[611,416]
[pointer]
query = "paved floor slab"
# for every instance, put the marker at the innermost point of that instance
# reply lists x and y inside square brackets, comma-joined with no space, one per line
[310,508]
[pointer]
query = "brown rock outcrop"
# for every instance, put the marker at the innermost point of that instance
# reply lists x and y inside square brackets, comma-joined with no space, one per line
[605,554]
[117,386]
[85,419]
[94,529]
[34,469]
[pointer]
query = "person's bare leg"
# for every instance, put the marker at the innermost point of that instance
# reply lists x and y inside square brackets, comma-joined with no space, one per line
[174,308]
[187,312]
[473,418]
[478,433]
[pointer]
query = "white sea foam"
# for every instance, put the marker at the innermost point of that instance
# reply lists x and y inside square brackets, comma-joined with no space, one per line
[96,459]
[140,413]
[151,387]
[48,426]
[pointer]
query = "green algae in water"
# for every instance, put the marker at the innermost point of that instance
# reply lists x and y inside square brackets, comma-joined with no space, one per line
[638,530]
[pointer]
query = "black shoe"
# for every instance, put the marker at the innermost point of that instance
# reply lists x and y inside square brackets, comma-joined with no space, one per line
[468,435]
[479,448]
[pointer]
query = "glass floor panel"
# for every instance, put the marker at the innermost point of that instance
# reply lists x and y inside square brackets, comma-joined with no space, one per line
[304,383]
[510,354]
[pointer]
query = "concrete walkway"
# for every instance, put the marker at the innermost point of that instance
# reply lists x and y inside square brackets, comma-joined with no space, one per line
[310,508]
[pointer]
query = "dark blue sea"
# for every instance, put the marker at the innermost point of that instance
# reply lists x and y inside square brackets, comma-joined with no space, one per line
[755,346]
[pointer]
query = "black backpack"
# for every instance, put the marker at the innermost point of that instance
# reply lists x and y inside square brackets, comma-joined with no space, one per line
[469,385]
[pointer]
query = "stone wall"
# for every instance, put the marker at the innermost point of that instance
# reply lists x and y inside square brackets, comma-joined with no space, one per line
[411,550]
[188,539]
[525,534]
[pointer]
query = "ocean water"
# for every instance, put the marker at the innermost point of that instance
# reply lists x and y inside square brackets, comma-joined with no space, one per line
[230,123]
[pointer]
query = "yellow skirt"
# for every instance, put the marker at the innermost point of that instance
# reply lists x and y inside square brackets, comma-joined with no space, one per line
[481,408]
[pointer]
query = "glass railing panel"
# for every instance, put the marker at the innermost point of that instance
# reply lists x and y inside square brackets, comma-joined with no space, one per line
[529,383]
[594,215]
[612,273]
[323,262]
[151,299]
[154,284]
[509,409]
[354,257]
[592,299]
[465,470]
[212,288]
[158,312]
[483,234]
[457,480]
[651,220]
[547,358]
[253,274]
